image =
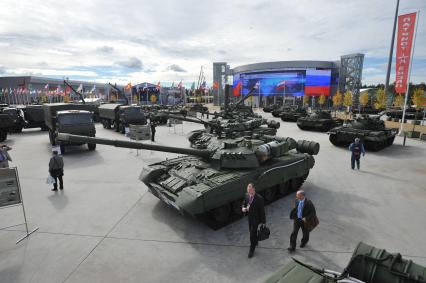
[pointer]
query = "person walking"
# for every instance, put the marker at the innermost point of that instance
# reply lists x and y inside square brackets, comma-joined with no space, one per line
[56,170]
[357,148]
[254,207]
[4,156]
[152,125]
[304,217]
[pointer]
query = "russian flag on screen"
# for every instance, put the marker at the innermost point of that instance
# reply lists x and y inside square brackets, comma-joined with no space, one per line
[317,82]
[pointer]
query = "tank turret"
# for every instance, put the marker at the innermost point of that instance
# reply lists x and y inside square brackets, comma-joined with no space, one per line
[318,121]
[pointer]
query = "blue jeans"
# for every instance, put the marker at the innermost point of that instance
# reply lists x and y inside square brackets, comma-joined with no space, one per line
[353,160]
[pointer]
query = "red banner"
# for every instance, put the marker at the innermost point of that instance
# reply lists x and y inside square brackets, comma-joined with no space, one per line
[406,25]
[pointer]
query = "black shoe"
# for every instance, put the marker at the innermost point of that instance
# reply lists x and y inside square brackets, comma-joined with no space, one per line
[54,190]
[250,254]
[61,188]
[291,249]
[302,245]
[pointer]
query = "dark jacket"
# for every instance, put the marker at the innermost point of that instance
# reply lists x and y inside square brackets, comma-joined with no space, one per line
[256,213]
[56,166]
[357,150]
[308,210]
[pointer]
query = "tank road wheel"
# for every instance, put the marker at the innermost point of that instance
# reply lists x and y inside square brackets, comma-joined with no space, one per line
[269,194]
[3,136]
[116,126]
[333,139]
[222,213]
[91,146]
[284,188]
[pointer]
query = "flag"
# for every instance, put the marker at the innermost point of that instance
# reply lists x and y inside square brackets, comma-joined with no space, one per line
[67,90]
[80,88]
[215,85]
[203,85]
[93,89]
[257,85]
[406,25]
[158,86]
[281,85]
[237,89]
[180,84]
[128,86]
[58,89]
[193,86]
[46,86]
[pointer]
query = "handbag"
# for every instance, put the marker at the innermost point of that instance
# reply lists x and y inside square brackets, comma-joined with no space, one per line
[50,180]
[263,233]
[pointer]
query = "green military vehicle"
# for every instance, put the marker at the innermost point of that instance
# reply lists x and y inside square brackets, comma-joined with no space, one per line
[120,116]
[34,116]
[71,119]
[17,117]
[211,183]
[367,265]
[6,124]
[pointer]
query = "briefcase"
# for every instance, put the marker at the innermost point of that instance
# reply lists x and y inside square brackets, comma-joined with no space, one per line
[312,222]
[263,233]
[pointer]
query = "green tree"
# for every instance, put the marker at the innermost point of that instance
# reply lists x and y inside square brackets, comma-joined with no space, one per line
[347,100]
[380,99]
[399,100]
[337,101]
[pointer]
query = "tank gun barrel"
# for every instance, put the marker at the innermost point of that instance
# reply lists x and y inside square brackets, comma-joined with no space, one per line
[75,91]
[177,117]
[135,145]
[244,98]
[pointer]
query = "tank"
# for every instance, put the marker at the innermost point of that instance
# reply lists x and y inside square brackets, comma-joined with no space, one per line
[278,111]
[270,108]
[371,131]
[318,121]
[293,114]
[298,272]
[210,183]
[373,265]
[368,264]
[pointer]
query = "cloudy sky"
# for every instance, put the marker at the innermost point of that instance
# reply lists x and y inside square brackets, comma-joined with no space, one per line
[169,40]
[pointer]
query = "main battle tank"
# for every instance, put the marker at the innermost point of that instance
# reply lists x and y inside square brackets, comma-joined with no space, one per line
[293,114]
[211,183]
[367,265]
[278,111]
[318,121]
[270,108]
[372,132]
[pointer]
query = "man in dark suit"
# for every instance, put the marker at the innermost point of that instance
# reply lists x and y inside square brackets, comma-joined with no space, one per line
[301,213]
[254,207]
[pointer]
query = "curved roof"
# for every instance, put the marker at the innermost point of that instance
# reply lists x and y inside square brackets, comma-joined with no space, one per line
[279,65]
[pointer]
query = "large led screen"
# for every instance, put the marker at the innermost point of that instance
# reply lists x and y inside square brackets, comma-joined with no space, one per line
[312,82]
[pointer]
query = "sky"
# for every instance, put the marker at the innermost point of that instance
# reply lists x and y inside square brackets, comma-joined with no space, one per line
[169,40]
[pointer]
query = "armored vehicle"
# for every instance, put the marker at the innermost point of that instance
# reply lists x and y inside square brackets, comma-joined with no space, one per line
[6,124]
[198,107]
[318,121]
[34,116]
[211,183]
[371,131]
[278,111]
[120,116]
[367,265]
[270,108]
[71,119]
[293,114]
[17,117]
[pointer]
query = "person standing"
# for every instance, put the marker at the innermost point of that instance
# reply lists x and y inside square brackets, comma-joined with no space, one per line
[56,170]
[302,215]
[254,207]
[4,156]
[152,125]
[357,148]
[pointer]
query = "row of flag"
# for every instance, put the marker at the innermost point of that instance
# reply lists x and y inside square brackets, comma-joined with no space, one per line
[46,90]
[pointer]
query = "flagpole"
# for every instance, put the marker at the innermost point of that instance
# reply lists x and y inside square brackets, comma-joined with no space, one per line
[409,72]
[391,53]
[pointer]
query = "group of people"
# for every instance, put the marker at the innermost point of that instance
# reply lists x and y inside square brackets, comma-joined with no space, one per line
[303,215]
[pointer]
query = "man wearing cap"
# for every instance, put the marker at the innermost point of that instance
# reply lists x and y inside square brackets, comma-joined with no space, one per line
[56,170]
[357,148]
[302,213]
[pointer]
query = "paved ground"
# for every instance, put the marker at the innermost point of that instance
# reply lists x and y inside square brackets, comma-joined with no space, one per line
[105,227]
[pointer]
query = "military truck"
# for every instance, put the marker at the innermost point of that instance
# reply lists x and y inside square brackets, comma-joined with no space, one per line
[17,118]
[6,123]
[34,116]
[71,119]
[120,116]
